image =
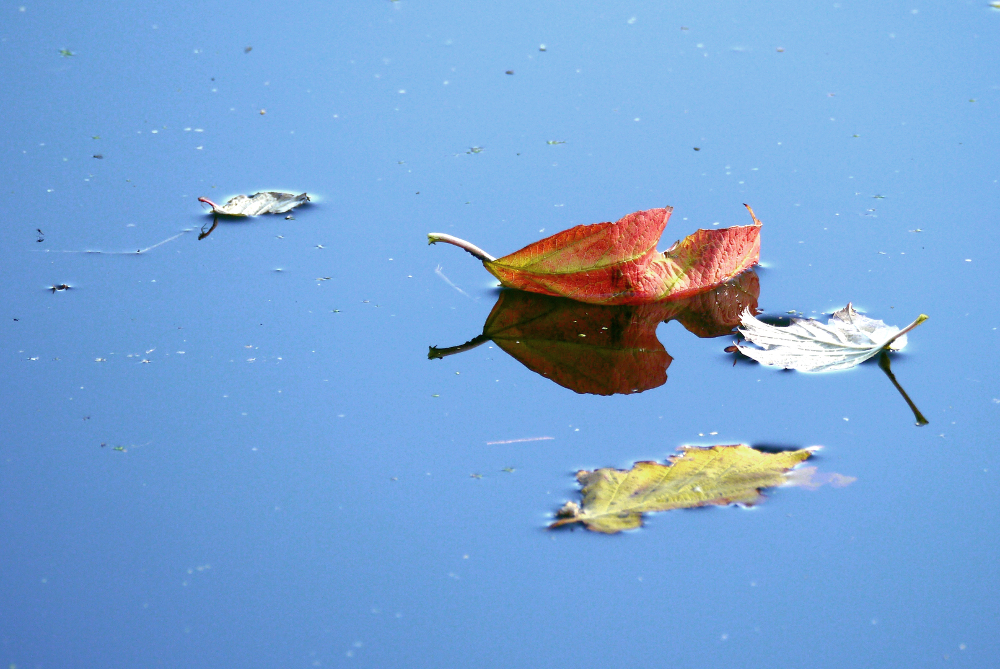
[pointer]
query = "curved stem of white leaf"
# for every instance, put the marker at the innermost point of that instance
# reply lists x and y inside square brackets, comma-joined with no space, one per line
[920,319]
[435,237]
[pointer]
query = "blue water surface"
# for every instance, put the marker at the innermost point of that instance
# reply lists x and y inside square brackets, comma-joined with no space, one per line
[235,452]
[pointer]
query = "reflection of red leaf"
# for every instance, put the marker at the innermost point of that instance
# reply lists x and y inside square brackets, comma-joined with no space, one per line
[588,348]
[603,349]
[717,312]
[617,263]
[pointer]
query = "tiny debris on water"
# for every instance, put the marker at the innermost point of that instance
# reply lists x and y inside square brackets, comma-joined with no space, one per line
[59,287]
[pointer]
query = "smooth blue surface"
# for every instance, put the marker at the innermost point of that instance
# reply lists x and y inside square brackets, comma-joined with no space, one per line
[296,482]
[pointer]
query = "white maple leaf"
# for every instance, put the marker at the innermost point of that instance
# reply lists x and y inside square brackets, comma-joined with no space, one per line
[807,345]
[268,202]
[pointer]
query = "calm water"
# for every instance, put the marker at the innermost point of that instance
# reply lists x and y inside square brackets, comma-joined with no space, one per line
[235,452]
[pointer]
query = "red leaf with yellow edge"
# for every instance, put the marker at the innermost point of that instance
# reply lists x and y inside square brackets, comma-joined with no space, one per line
[617,263]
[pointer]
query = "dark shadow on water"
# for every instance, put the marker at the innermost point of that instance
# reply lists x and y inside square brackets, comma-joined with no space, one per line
[883,363]
[781,448]
[205,233]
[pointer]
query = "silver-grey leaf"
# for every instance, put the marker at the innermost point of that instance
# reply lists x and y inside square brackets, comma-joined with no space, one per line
[268,202]
[807,345]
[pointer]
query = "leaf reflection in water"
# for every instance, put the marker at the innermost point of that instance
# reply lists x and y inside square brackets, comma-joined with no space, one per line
[599,349]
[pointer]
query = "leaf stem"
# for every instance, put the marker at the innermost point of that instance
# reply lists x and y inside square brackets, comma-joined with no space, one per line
[208,202]
[435,237]
[920,319]
[752,215]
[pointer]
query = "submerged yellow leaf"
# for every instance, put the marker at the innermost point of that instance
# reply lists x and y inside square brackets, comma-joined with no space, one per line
[614,499]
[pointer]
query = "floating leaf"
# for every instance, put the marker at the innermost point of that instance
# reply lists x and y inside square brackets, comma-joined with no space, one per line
[617,263]
[601,349]
[268,202]
[614,499]
[810,346]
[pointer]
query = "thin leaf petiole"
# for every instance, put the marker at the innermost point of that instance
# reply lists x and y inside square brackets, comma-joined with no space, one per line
[435,237]
[920,319]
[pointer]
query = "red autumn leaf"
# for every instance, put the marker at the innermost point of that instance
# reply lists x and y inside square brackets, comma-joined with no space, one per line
[617,263]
